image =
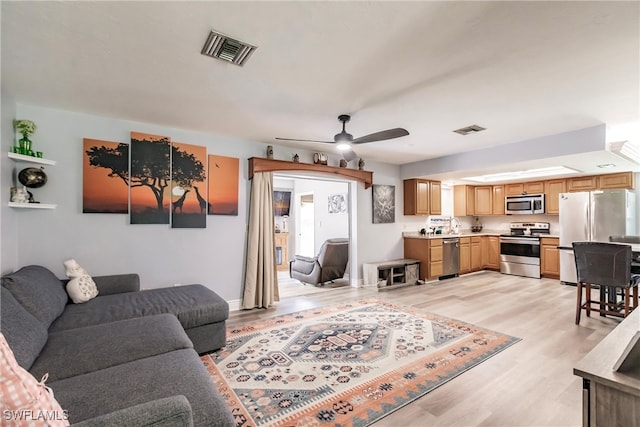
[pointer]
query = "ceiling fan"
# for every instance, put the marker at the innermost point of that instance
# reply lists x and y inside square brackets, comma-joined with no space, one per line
[344,140]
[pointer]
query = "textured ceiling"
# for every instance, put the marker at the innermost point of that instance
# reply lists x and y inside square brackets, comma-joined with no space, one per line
[520,69]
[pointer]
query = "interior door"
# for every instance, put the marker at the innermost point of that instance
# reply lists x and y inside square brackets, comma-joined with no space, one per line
[306,231]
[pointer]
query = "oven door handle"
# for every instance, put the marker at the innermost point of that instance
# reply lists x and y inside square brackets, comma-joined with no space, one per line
[532,242]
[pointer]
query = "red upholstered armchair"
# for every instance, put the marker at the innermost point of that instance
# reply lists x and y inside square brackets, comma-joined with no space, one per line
[328,265]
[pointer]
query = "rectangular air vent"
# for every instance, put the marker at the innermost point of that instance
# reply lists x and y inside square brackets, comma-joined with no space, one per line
[227,49]
[469,129]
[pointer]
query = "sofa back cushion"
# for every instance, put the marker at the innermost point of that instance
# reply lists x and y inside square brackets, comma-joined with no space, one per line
[39,291]
[24,333]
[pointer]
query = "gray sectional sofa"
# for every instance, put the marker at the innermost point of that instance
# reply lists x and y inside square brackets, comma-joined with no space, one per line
[125,358]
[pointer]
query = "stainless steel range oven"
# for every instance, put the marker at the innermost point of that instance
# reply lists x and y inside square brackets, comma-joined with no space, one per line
[520,249]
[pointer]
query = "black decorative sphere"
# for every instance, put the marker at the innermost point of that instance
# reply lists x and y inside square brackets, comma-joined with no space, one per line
[32,177]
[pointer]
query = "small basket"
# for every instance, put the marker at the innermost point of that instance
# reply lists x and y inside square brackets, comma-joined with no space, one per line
[476,228]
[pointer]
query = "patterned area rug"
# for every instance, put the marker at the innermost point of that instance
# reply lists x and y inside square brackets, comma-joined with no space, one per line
[347,365]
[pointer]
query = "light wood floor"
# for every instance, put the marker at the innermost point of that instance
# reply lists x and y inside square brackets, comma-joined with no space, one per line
[529,384]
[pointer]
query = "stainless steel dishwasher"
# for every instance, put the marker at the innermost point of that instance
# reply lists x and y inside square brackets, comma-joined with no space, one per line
[450,257]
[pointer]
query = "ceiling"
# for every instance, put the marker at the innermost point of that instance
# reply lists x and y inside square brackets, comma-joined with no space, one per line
[522,70]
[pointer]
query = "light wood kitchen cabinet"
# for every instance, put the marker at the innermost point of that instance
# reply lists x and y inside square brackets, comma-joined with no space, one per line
[549,257]
[552,190]
[616,180]
[476,253]
[282,251]
[498,200]
[483,200]
[416,248]
[534,187]
[435,258]
[464,202]
[465,255]
[422,197]
[514,189]
[582,183]
[493,253]
[435,197]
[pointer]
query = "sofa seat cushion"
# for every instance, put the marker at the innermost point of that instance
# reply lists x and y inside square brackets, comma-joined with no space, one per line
[193,305]
[25,334]
[39,291]
[82,350]
[179,372]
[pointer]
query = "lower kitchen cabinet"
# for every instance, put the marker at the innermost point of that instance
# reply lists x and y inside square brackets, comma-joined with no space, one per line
[418,248]
[476,253]
[465,255]
[435,258]
[549,257]
[493,253]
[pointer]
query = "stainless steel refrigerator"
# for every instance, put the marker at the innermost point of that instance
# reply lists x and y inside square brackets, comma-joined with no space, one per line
[592,216]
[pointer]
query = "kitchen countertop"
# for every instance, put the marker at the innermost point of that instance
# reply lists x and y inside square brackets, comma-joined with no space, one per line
[464,233]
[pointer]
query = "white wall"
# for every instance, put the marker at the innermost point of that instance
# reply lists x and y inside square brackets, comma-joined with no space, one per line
[8,227]
[108,244]
[327,226]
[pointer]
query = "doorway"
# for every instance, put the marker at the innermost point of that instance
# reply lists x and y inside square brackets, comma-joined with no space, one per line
[305,240]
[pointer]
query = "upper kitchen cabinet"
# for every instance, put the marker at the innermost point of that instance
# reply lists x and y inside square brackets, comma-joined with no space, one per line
[616,180]
[484,200]
[464,200]
[516,189]
[552,190]
[422,197]
[582,183]
[498,199]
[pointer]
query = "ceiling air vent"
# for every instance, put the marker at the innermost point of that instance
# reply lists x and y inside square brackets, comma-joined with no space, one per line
[469,129]
[227,49]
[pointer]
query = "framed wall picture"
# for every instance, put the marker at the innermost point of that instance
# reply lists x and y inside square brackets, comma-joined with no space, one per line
[337,203]
[384,204]
[105,177]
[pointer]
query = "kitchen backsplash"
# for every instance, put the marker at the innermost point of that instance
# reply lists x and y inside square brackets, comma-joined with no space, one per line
[494,222]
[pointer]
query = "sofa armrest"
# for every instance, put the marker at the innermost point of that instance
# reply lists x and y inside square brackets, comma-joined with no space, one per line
[167,412]
[117,283]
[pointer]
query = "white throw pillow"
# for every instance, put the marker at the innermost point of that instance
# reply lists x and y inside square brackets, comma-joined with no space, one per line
[81,288]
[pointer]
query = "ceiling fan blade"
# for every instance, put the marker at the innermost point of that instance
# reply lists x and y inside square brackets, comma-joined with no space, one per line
[349,155]
[304,140]
[381,136]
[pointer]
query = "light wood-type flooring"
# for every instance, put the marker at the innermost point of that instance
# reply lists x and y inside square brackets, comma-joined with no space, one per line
[529,384]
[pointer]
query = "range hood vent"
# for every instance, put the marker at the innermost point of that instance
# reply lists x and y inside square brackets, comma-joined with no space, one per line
[226,49]
[469,129]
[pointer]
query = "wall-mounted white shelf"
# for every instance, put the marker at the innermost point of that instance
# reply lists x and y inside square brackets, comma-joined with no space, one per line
[32,205]
[31,159]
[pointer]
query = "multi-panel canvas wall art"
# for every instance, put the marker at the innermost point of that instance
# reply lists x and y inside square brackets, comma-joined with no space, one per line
[223,185]
[384,204]
[150,178]
[188,186]
[105,177]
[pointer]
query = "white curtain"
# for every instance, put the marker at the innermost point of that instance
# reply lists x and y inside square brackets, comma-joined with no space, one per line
[261,280]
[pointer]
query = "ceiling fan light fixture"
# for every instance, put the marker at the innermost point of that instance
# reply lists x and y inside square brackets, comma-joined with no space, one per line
[343,146]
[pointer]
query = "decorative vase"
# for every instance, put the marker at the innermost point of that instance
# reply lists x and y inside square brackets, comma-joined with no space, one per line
[360,164]
[25,144]
[269,151]
[296,158]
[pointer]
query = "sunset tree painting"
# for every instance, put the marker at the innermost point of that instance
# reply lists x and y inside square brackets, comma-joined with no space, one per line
[150,178]
[188,186]
[223,185]
[105,177]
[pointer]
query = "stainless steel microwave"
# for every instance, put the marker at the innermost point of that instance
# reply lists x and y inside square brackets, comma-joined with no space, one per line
[527,204]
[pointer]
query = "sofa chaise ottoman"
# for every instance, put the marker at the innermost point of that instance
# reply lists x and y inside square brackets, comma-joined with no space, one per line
[125,357]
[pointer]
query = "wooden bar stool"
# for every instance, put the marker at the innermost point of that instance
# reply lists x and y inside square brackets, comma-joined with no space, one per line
[607,266]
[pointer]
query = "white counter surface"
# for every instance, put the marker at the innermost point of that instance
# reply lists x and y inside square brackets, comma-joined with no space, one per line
[417,235]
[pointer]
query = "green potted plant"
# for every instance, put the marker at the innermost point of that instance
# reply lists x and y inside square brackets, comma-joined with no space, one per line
[26,128]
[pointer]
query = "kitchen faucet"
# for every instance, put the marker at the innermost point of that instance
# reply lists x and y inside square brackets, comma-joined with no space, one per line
[454,227]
